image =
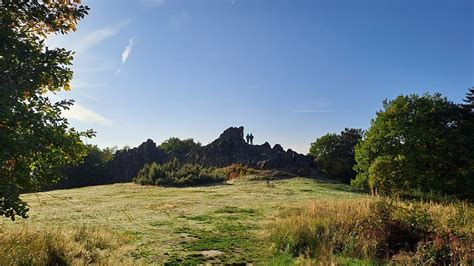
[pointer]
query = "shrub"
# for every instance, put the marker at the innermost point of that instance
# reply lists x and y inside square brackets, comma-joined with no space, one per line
[236,170]
[173,173]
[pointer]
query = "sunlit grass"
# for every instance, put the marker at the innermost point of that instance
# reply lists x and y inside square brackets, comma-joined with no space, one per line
[178,224]
[375,230]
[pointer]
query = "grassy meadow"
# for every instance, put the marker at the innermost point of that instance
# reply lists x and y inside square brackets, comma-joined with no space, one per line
[221,223]
[241,221]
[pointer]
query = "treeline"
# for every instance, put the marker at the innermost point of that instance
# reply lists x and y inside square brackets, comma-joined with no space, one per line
[416,146]
[93,168]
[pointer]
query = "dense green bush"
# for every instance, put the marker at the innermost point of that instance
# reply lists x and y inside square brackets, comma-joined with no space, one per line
[418,145]
[179,146]
[173,173]
[335,153]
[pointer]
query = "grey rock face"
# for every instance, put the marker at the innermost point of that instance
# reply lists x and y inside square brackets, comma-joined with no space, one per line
[228,149]
[231,148]
[126,163]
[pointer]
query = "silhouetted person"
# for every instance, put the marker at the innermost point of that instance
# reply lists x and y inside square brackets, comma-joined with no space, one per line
[248,138]
[251,139]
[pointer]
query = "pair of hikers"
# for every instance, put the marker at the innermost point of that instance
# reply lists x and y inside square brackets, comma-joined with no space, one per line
[249,138]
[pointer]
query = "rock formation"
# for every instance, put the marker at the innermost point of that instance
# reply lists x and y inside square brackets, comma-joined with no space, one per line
[231,148]
[228,149]
[126,163]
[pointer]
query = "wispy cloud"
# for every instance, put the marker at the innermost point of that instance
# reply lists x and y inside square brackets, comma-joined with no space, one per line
[81,43]
[98,36]
[125,54]
[80,113]
[128,50]
[78,83]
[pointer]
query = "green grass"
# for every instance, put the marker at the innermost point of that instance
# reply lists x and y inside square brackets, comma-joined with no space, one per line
[210,224]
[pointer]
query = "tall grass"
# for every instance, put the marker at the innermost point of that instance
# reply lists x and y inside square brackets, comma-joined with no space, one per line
[53,246]
[377,230]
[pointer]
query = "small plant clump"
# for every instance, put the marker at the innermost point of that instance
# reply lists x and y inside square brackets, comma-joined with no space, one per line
[173,173]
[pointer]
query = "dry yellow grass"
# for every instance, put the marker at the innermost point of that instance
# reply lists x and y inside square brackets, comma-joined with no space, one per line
[32,245]
[375,230]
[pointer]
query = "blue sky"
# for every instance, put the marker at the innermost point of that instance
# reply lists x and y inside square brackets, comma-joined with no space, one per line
[289,71]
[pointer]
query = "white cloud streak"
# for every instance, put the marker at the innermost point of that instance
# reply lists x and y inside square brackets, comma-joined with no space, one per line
[82,114]
[125,54]
[128,50]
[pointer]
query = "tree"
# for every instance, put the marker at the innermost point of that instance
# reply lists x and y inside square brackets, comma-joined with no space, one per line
[35,141]
[417,144]
[469,101]
[91,171]
[335,153]
[179,146]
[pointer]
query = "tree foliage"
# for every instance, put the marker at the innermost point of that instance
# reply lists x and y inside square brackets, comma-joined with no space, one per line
[179,146]
[469,100]
[34,139]
[335,153]
[91,171]
[418,144]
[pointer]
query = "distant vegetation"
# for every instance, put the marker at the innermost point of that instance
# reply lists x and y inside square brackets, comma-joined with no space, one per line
[374,231]
[335,153]
[176,145]
[173,173]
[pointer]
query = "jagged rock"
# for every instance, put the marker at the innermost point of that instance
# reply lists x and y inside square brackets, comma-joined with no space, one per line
[126,163]
[231,148]
[266,145]
[233,134]
[278,147]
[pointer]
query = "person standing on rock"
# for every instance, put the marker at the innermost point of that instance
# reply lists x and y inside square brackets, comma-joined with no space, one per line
[251,139]
[248,138]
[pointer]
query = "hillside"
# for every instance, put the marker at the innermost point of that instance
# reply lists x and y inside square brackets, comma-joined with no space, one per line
[222,223]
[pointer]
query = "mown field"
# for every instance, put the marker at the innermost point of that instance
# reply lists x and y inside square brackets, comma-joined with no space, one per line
[222,223]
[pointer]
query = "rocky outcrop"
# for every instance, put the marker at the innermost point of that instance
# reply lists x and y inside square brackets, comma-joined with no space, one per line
[231,148]
[228,149]
[126,163]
